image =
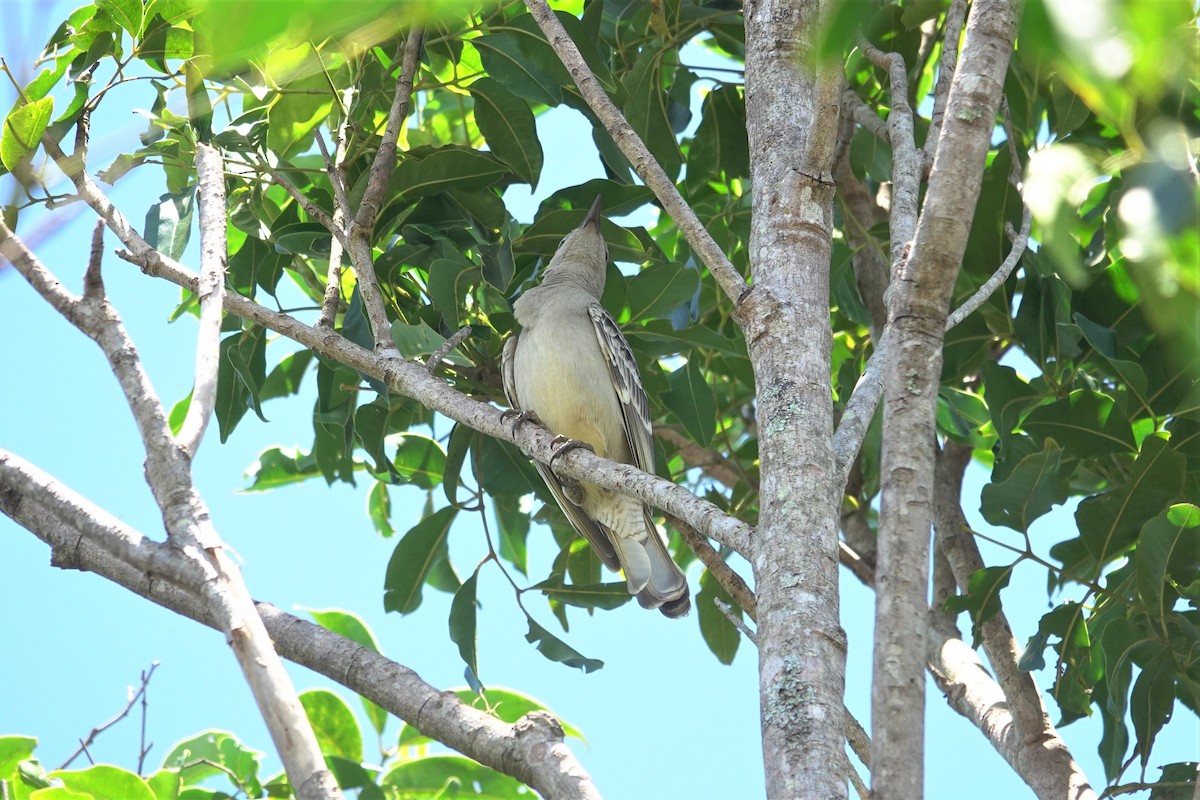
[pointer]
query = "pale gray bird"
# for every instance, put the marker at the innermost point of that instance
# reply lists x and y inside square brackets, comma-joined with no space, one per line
[572,369]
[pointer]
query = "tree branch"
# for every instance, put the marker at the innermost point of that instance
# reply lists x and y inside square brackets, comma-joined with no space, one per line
[644,163]
[918,315]
[190,528]
[531,750]
[377,182]
[1046,762]
[210,175]
[941,93]
[341,213]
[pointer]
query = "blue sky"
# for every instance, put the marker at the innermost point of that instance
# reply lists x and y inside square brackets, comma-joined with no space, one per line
[663,718]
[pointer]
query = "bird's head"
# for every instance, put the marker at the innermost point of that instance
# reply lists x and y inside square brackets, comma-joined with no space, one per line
[582,256]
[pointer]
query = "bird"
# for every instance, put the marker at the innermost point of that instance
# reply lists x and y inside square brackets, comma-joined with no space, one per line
[571,369]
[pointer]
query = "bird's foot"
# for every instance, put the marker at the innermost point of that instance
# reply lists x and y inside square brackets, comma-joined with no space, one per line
[563,444]
[519,418]
[571,487]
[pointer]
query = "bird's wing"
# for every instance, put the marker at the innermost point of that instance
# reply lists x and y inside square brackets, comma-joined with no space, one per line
[584,525]
[627,383]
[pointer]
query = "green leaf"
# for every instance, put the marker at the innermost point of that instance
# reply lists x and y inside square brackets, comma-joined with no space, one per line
[445,169]
[13,750]
[23,129]
[1109,522]
[462,626]
[127,13]
[240,375]
[556,649]
[420,460]
[104,782]
[982,600]
[179,414]
[412,560]
[502,58]
[169,223]
[334,724]
[457,447]
[1087,423]
[719,633]
[544,235]
[1033,487]
[303,102]
[660,289]
[448,777]
[647,109]
[690,400]
[594,595]
[352,626]
[1150,704]
[287,375]
[166,784]
[720,145]
[216,753]
[1173,531]
[379,509]
[277,467]
[507,124]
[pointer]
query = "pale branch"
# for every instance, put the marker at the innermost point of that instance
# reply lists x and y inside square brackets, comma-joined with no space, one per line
[918,313]
[341,214]
[735,620]
[363,224]
[210,177]
[860,408]
[713,464]
[190,528]
[140,694]
[864,115]
[950,41]
[644,163]
[435,359]
[1048,768]
[732,582]
[531,750]
[907,161]
[411,379]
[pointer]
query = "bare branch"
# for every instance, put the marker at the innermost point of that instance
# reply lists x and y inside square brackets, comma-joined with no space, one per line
[411,379]
[364,220]
[122,714]
[531,750]
[313,210]
[918,312]
[1045,761]
[644,163]
[435,360]
[210,172]
[941,93]
[341,214]
[712,463]
[733,583]
[907,162]
[735,620]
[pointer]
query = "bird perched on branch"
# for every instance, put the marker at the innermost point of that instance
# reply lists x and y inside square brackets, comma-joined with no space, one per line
[571,368]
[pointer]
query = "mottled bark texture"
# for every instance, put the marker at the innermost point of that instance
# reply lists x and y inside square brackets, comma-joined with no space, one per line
[792,110]
[917,319]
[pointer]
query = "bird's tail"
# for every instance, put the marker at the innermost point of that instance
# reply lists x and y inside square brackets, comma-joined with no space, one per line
[651,574]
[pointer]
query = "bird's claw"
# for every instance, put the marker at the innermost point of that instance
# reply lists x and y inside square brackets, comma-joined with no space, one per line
[519,418]
[562,444]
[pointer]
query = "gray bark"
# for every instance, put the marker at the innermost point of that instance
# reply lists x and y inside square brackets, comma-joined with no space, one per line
[792,120]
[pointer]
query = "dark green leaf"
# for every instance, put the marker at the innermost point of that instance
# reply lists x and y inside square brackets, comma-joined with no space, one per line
[1150,704]
[1033,487]
[169,223]
[1087,424]
[690,400]
[462,623]
[379,509]
[1160,539]
[555,649]
[507,123]
[445,169]
[412,560]
[658,290]
[276,467]
[719,633]
[595,595]
[982,600]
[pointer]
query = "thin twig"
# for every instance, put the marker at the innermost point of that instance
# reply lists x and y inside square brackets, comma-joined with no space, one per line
[99,729]
[454,341]
[737,621]
[732,582]
[644,163]
[341,214]
[213,257]
[363,225]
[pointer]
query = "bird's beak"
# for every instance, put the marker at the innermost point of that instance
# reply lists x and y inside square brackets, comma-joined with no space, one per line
[593,214]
